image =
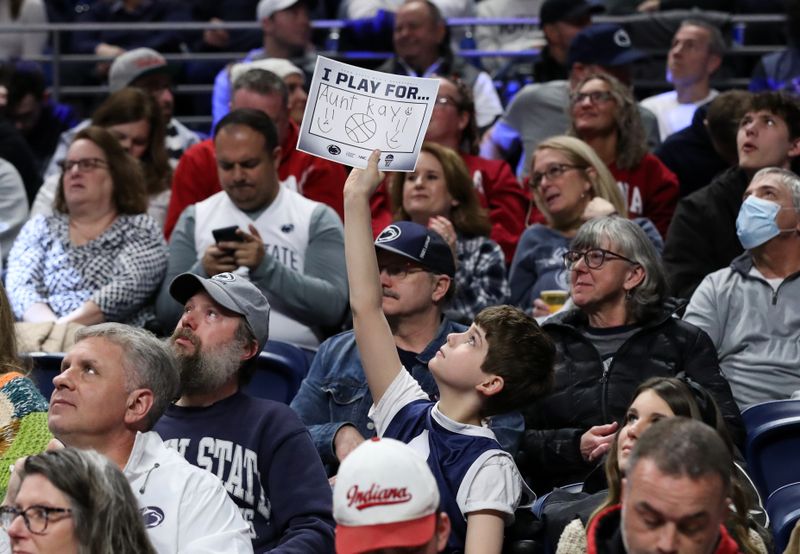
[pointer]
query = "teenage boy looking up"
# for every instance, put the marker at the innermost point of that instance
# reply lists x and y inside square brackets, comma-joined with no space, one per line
[502,361]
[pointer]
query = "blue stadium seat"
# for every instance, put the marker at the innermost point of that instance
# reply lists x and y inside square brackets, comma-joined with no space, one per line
[783,507]
[773,443]
[45,366]
[280,369]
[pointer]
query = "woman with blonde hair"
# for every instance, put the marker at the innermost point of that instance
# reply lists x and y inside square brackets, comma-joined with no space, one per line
[570,185]
[439,194]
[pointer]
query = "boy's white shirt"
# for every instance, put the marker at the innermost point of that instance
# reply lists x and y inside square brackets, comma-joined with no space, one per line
[492,483]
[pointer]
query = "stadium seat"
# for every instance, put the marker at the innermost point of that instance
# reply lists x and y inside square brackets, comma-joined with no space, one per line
[45,366]
[280,369]
[783,507]
[773,441]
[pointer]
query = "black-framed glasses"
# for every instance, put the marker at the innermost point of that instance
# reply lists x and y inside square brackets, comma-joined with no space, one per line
[400,270]
[594,258]
[595,97]
[553,172]
[35,517]
[84,164]
[447,101]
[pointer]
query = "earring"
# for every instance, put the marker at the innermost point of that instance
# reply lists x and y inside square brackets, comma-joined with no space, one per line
[628,294]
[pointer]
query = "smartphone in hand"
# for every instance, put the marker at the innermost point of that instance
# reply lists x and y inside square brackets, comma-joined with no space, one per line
[227,234]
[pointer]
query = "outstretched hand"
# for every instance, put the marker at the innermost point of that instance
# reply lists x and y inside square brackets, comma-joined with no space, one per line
[365,181]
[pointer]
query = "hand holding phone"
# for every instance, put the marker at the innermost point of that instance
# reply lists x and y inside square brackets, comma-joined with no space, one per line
[227,234]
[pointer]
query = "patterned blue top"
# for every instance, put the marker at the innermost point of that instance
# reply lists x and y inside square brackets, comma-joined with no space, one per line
[120,270]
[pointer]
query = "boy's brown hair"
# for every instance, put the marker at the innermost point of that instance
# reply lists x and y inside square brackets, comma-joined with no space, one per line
[519,352]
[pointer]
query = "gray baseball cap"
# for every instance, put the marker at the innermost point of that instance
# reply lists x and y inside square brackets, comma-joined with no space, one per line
[229,291]
[134,64]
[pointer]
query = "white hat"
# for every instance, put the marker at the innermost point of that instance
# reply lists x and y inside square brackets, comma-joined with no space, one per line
[279,66]
[268,7]
[385,496]
[133,64]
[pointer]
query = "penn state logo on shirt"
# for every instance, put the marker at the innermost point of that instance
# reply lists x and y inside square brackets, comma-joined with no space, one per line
[227,277]
[287,228]
[622,39]
[392,232]
[152,516]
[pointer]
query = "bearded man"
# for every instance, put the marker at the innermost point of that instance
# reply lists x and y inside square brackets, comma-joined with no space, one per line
[258,448]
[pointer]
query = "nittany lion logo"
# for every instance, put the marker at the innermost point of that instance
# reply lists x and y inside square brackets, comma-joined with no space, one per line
[334,150]
[392,232]
[224,277]
[622,39]
[152,516]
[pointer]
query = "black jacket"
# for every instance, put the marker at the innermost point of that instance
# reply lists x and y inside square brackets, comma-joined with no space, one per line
[702,236]
[584,395]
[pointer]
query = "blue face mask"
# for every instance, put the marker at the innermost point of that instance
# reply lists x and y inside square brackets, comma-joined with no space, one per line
[756,223]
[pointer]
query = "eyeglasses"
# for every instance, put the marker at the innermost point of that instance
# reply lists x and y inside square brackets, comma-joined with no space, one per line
[553,172]
[446,101]
[595,97]
[84,164]
[36,517]
[400,270]
[593,258]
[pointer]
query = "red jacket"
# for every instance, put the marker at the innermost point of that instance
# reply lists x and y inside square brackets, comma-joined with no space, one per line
[196,177]
[650,189]
[603,535]
[498,191]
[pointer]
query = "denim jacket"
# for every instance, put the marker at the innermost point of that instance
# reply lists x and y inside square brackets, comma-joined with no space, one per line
[335,393]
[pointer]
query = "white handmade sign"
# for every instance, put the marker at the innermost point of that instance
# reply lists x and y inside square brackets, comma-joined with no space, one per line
[352,111]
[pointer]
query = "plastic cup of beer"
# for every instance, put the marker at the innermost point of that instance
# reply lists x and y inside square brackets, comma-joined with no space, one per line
[554,299]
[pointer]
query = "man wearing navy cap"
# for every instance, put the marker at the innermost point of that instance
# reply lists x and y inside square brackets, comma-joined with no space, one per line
[258,448]
[537,111]
[560,21]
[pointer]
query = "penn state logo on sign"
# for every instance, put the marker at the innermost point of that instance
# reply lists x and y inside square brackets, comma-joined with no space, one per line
[334,150]
[224,277]
[152,516]
[392,232]
[622,39]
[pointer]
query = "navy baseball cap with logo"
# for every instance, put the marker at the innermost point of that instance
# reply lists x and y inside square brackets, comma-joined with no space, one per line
[553,11]
[230,291]
[605,44]
[420,244]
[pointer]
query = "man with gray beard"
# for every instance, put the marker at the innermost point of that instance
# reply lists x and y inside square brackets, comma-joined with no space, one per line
[258,448]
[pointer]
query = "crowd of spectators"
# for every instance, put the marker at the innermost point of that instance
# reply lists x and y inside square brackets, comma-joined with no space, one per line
[666,219]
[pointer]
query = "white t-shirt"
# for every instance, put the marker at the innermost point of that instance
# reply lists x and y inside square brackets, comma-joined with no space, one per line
[673,116]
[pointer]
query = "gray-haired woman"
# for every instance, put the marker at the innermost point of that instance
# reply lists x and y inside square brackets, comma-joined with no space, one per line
[621,333]
[74,501]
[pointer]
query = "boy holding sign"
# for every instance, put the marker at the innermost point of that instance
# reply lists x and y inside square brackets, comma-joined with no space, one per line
[501,362]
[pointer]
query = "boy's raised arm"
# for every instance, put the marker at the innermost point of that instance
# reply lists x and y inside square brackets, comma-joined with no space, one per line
[373,336]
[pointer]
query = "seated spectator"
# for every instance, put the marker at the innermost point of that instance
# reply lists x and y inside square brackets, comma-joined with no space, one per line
[506,37]
[262,451]
[707,147]
[422,49]
[679,471]
[146,69]
[570,186]
[621,333]
[293,77]
[537,111]
[751,310]
[24,426]
[414,523]
[13,207]
[40,120]
[604,115]
[655,399]
[702,237]
[438,194]
[74,501]
[502,362]
[317,179]
[453,125]
[115,382]
[290,247]
[26,44]
[134,119]
[695,54]
[286,28]
[15,150]
[781,70]
[99,257]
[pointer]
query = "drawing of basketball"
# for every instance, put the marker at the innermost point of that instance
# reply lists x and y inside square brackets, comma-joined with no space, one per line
[360,127]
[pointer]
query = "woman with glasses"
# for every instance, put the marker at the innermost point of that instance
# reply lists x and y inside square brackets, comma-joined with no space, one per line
[74,502]
[99,257]
[439,194]
[570,186]
[621,333]
[605,115]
